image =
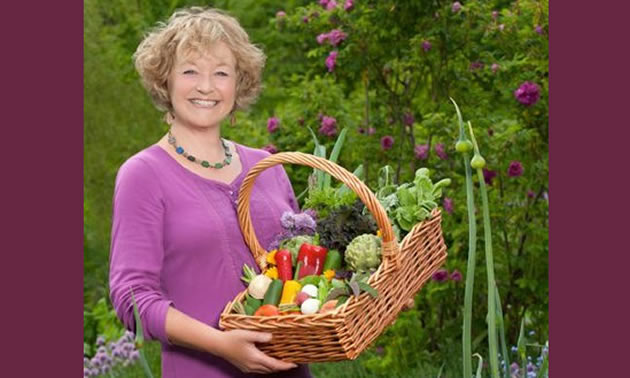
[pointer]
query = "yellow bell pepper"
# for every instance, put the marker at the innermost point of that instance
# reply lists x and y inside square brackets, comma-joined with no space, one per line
[329,274]
[289,292]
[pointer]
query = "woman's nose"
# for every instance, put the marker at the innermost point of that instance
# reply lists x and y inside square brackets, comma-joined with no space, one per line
[205,84]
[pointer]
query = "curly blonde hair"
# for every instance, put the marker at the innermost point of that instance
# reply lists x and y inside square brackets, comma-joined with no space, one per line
[191,30]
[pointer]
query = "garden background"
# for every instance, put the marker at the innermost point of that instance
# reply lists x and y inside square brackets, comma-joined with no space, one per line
[385,70]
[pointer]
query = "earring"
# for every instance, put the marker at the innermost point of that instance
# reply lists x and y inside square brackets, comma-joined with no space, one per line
[169,118]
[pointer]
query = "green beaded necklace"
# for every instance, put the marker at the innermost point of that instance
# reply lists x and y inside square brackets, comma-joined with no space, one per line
[203,163]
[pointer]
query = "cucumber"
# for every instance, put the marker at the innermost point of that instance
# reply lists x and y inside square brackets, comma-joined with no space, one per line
[273,294]
[252,302]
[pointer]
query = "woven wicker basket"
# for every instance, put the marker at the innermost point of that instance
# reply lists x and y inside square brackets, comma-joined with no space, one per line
[344,333]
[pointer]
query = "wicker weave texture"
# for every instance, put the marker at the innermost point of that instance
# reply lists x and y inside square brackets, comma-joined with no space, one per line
[347,331]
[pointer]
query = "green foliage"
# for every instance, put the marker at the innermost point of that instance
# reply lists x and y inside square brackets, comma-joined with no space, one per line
[328,199]
[342,225]
[100,320]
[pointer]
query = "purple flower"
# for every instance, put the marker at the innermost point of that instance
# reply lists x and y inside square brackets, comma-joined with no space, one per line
[135,355]
[528,93]
[272,124]
[408,119]
[331,60]
[539,29]
[426,45]
[421,151]
[323,3]
[361,130]
[440,152]
[515,169]
[100,341]
[488,175]
[387,142]
[330,4]
[495,15]
[477,65]
[440,276]
[371,131]
[272,149]
[448,205]
[531,193]
[329,126]
[322,38]
[312,213]
[281,14]
[287,220]
[456,275]
[495,67]
[336,36]
[349,5]
[379,350]
[305,19]
[304,223]
[456,7]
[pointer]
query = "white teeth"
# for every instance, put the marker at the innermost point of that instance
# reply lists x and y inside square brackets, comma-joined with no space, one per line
[204,103]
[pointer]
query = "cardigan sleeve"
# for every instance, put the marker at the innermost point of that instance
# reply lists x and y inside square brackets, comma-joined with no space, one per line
[137,250]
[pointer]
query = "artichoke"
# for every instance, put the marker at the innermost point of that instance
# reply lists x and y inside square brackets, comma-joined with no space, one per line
[363,254]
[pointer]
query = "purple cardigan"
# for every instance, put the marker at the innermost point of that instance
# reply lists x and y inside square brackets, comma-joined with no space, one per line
[176,240]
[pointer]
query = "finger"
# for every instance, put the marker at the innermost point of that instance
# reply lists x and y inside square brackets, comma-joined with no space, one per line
[258,337]
[275,364]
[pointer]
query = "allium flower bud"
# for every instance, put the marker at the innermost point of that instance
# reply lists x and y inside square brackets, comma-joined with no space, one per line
[272,149]
[426,45]
[456,275]
[528,93]
[272,124]
[463,146]
[441,275]
[440,151]
[387,142]
[448,205]
[515,169]
[477,162]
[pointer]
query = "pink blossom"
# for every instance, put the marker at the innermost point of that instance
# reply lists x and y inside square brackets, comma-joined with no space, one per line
[494,67]
[421,151]
[426,45]
[387,142]
[328,126]
[281,14]
[272,124]
[527,93]
[408,119]
[440,152]
[488,175]
[336,36]
[305,19]
[456,7]
[539,29]
[495,15]
[349,5]
[330,4]
[371,131]
[322,38]
[331,61]
[531,193]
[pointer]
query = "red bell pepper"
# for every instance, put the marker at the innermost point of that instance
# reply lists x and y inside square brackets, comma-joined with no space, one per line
[312,258]
[285,267]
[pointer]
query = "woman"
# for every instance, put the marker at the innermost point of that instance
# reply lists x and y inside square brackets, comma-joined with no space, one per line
[176,241]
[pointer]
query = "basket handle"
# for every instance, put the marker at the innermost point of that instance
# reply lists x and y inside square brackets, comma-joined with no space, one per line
[390,248]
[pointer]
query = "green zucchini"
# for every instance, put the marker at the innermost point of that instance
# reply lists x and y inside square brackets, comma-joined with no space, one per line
[333,260]
[273,294]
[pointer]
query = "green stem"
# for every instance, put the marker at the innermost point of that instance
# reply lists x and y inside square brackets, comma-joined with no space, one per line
[145,365]
[506,357]
[470,271]
[492,307]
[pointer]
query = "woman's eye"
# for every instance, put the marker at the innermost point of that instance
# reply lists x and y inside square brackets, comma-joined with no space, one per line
[188,72]
[221,73]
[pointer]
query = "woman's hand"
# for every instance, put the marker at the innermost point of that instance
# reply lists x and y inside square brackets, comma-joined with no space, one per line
[238,347]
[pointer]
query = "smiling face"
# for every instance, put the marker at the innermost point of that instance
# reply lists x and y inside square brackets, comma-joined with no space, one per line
[202,87]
